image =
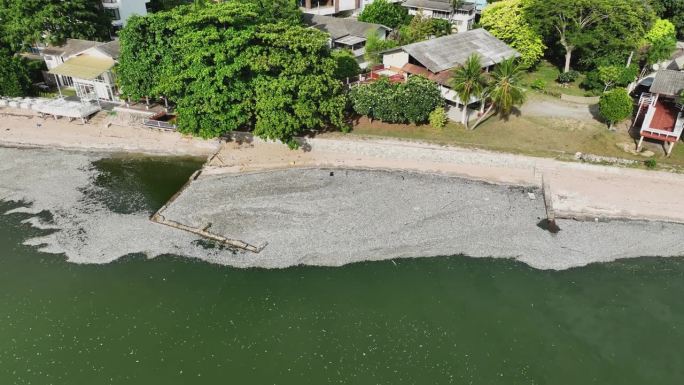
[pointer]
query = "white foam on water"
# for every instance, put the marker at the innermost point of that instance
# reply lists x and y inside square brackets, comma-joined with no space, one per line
[88,232]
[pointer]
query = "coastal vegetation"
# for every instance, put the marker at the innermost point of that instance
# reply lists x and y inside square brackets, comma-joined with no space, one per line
[24,23]
[230,66]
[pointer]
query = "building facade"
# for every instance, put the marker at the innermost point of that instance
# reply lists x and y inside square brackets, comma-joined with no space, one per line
[121,10]
[462,18]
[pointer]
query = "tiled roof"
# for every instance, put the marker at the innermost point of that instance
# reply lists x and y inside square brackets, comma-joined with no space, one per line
[451,51]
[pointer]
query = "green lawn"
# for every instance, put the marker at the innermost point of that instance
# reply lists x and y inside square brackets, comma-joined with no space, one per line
[548,73]
[53,94]
[536,136]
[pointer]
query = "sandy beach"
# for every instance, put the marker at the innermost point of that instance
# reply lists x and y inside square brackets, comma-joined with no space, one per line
[103,133]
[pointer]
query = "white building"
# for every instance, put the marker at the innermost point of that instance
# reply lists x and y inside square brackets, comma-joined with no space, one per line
[86,66]
[121,10]
[462,18]
[331,7]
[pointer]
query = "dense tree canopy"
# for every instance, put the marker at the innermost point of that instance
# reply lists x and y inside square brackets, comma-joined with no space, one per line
[14,75]
[590,29]
[24,22]
[227,69]
[385,13]
[673,10]
[507,21]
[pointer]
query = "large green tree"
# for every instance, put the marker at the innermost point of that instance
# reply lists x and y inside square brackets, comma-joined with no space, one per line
[25,22]
[506,20]
[590,28]
[226,68]
[385,13]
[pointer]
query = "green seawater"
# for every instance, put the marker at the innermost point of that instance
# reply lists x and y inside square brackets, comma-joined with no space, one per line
[450,320]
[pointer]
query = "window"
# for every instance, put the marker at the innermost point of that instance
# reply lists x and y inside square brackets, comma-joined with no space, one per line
[113,13]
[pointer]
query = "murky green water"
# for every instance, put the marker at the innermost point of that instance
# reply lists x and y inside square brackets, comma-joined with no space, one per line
[428,321]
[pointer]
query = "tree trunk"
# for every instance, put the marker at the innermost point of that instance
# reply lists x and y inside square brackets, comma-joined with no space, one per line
[489,109]
[568,57]
[464,119]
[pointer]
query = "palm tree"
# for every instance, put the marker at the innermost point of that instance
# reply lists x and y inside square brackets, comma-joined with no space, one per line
[504,91]
[468,81]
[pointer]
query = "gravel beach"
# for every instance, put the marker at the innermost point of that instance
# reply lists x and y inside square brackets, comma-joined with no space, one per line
[308,216]
[335,216]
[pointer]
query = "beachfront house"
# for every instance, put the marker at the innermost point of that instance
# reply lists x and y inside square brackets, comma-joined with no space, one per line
[85,66]
[461,16]
[331,7]
[436,58]
[660,113]
[346,33]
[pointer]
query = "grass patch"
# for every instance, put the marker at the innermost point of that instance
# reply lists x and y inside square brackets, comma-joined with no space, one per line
[536,136]
[548,73]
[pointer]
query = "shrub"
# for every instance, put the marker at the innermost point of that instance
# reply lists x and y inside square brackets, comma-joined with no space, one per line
[538,84]
[412,101]
[346,64]
[567,77]
[651,163]
[438,118]
[615,106]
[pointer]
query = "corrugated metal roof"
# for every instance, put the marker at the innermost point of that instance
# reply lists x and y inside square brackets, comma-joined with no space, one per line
[668,82]
[350,40]
[111,49]
[84,67]
[341,27]
[451,51]
[71,47]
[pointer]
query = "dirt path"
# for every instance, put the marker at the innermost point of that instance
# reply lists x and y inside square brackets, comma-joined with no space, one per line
[548,107]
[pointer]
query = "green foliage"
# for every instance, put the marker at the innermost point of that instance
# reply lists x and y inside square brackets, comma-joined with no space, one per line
[275,11]
[438,118]
[375,45]
[346,64]
[661,41]
[617,75]
[538,84]
[672,10]
[422,28]
[226,69]
[651,163]
[589,29]
[507,21]
[469,81]
[14,75]
[419,97]
[615,106]
[24,22]
[412,101]
[504,90]
[441,27]
[385,13]
[568,77]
